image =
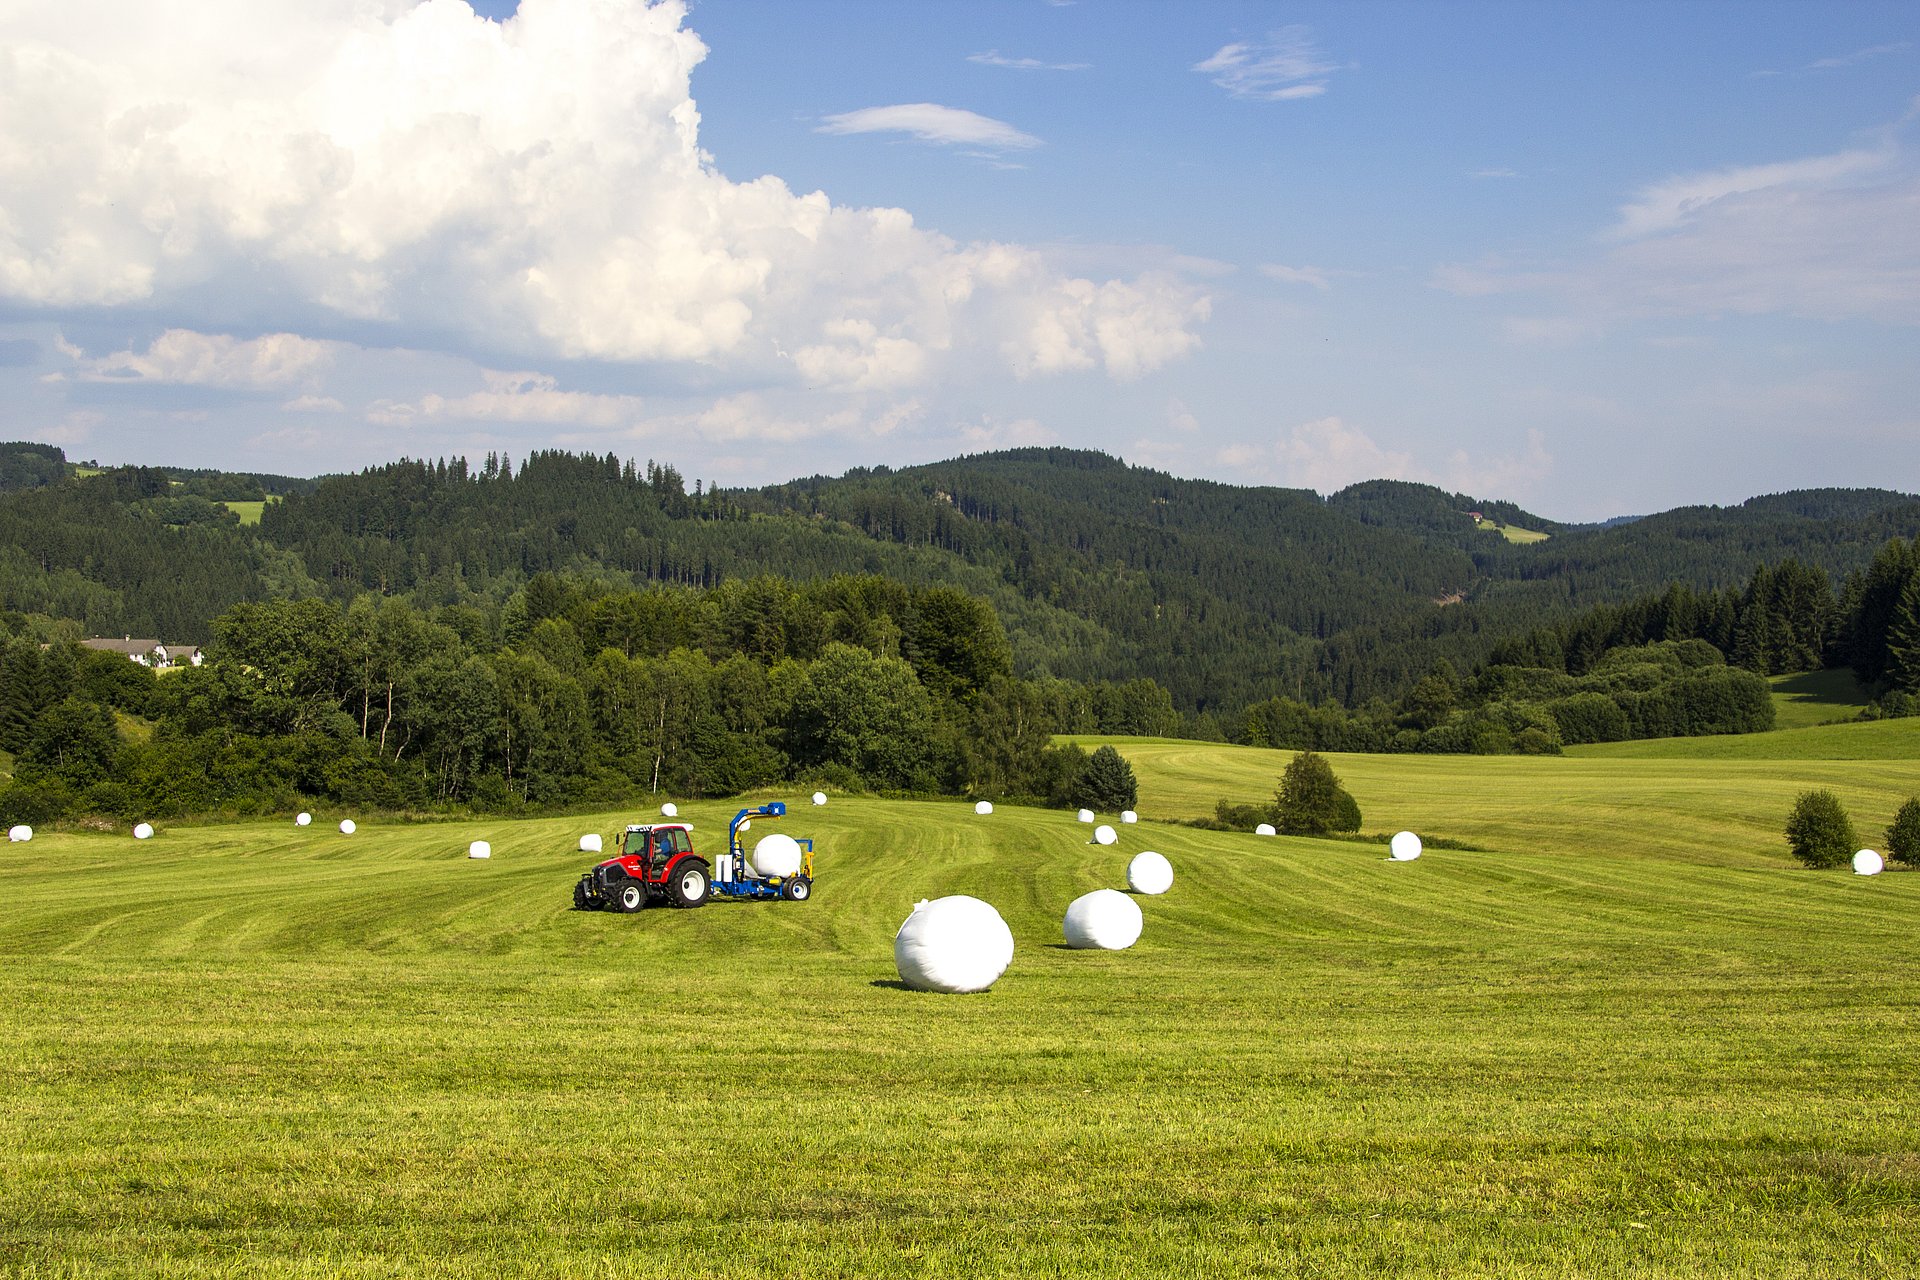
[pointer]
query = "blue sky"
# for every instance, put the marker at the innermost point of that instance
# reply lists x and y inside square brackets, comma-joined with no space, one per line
[1593,259]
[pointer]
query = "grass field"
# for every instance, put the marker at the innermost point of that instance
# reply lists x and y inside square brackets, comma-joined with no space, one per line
[1514,533]
[1629,1040]
[249,512]
[1817,697]
[1714,800]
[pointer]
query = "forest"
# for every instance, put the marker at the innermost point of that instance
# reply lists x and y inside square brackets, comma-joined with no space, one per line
[432,635]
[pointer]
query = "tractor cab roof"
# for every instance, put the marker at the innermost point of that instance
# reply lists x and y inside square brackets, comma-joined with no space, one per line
[660,826]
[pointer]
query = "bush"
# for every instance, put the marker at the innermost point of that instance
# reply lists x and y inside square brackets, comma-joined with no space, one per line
[1819,830]
[1903,837]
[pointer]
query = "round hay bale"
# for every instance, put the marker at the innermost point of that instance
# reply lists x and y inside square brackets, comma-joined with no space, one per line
[479,849]
[347,826]
[20,834]
[1085,815]
[819,797]
[1104,920]
[1129,816]
[1104,834]
[1868,863]
[143,831]
[1265,829]
[303,820]
[1404,847]
[983,807]
[669,810]
[590,843]
[955,944]
[1149,873]
[776,855]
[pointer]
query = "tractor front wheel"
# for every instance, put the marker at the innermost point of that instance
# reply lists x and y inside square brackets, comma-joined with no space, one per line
[630,896]
[581,902]
[796,889]
[690,884]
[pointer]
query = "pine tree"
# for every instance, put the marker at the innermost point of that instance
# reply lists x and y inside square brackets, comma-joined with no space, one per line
[1903,638]
[1107,784]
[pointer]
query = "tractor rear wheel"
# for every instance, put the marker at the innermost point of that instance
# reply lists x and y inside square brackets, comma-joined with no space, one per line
[629,896]
[690,884]
[796,889]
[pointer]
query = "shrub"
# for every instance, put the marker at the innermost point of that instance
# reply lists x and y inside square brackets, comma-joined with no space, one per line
[1819,830]
[1903,837]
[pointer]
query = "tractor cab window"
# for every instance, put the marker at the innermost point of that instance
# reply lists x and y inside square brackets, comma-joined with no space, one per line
[676,840]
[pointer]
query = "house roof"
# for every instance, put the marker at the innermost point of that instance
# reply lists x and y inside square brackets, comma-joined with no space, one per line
[127,645]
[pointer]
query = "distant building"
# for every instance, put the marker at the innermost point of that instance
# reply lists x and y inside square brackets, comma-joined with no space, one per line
[149,653]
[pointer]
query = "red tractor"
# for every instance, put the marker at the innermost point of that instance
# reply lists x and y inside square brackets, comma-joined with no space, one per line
[656,863]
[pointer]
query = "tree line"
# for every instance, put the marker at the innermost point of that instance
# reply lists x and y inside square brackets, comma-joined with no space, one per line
[573,692]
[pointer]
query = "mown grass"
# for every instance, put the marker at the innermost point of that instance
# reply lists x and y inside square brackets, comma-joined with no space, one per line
[1514,533]
[257,1050]
[1817,697]
[1717,800]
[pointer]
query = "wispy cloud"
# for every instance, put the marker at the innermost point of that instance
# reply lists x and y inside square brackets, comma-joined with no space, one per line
[1844,60]
[1667,204]
[1285,67]
[1832,237]
[1495,173]
[994,58]
[930,122]
[1312,277]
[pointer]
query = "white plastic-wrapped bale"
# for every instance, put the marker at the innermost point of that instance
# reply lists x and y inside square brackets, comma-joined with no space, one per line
[303,820]
[669,810]
[776,855]
[1104,834]
[1106,920]
[1129,816]
[819,797]
[1085,815]
[1868,863]
[590,843]
[1149,872]
[20,834]
[983,807]
[1404,847]
[347,826]
[143,831]
[1265,829]
[955,944]
[479,849]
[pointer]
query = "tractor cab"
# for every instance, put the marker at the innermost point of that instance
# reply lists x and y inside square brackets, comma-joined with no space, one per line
[654,846]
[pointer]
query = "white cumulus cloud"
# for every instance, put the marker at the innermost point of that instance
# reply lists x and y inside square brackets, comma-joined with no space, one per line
[184,357]
[534,186]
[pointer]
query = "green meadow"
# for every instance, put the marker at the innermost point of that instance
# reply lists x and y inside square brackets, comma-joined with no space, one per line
[249,512]
[1624,1037]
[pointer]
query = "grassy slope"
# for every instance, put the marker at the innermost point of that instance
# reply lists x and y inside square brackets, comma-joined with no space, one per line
[1718,800]
[1513,533]
[256,1050]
